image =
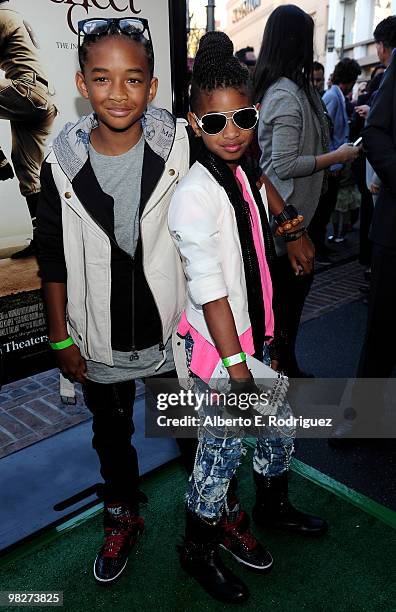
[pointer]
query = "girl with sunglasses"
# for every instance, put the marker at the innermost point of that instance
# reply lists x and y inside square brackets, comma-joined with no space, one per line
[219,223]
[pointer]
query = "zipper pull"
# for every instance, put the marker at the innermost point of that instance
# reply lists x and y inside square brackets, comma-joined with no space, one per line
[134,355]
[161,347]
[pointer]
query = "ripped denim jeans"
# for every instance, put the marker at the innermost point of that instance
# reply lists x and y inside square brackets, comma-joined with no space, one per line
[217,459]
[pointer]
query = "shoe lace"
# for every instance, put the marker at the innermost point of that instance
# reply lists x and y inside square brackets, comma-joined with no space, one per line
[243,535]
[115,538]
[113,542]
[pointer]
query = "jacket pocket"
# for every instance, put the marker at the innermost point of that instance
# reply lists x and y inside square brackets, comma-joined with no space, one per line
[76,332]
[32,93]
[76,282]
[97,291]
[38,99]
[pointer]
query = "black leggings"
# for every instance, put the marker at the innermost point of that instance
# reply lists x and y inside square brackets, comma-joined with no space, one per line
[290,292]
[327,202]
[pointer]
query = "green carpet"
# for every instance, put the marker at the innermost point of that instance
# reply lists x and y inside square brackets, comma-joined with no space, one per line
[350,569]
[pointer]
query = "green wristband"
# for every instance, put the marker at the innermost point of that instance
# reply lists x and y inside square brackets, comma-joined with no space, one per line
[234,359]
[58,346]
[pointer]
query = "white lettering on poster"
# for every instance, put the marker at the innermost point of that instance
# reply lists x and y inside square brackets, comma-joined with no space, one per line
[17,346]
[117,5]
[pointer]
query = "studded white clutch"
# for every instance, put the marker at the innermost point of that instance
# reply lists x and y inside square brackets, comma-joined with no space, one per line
[274,385]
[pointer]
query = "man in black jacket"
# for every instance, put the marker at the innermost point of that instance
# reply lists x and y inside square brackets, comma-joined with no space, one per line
[379,139]
[378,356]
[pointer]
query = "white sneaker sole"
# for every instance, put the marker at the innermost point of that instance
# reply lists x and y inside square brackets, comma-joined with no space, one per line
[243,562]
[104,580]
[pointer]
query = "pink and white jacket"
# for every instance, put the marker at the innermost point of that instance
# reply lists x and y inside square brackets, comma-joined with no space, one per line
[202,223]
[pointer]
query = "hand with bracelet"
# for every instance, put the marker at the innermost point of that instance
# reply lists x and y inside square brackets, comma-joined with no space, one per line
[298,243]
[301,255]
[221,324]
[290,225]
[68,356]
[70,361]
[301,252]
[247,399]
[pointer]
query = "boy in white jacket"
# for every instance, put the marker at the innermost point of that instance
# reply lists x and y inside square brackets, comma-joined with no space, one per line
[112,278]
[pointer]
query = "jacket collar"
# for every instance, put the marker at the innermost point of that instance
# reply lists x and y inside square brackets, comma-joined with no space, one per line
[71,145]
[153,167]
[71,151]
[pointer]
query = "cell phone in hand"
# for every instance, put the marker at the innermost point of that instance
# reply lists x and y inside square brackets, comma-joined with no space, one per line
[357,142]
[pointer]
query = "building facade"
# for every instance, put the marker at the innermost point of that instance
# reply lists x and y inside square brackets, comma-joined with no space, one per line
[347,25]
[246,21]
[351,24]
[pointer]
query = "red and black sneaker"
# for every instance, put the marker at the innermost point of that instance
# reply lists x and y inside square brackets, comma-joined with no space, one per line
[122,528]
[241,543]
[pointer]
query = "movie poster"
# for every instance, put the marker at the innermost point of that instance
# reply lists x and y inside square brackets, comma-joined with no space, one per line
[38,41]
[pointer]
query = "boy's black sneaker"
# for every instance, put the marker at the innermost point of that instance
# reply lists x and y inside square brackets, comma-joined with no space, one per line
[237,539]
[122,528]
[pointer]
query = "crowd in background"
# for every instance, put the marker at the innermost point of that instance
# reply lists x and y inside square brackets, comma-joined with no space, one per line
[357,183]
[334,197]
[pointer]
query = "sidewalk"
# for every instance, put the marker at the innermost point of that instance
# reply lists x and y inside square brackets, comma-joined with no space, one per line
[31,409]
[332,288]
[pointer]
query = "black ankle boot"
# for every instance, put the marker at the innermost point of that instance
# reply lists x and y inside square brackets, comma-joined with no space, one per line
[273,509]
[200,558]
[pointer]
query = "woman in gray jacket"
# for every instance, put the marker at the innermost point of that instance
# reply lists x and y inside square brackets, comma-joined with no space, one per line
[293,135]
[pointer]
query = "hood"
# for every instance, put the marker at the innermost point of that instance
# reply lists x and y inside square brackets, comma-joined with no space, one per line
[71,145]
